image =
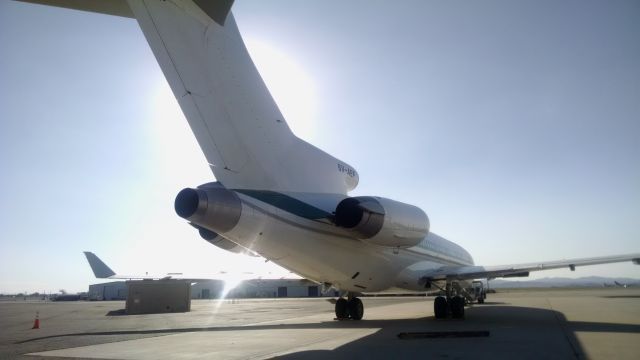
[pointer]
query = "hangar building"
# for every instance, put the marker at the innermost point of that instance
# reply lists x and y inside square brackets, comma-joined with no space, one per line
[213,289]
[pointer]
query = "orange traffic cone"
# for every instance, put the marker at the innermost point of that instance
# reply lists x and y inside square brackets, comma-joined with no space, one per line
[36,322]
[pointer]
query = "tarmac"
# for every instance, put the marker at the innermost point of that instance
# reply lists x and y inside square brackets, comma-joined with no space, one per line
[523,324]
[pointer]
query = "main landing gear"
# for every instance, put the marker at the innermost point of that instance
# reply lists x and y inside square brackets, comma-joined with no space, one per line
[449,304]
[454,305]
[351,308]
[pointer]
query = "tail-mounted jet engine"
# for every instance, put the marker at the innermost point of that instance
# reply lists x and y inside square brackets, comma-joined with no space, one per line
[211,209]
[223,243]
[210,206]
[382,221]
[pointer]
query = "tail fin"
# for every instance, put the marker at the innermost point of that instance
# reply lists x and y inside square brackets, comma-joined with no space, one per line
[230,110]
[100,269]
[235,120]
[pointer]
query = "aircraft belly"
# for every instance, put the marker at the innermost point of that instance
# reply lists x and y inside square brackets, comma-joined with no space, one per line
[348,264]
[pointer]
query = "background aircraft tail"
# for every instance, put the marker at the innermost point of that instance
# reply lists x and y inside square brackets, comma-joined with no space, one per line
[100,269]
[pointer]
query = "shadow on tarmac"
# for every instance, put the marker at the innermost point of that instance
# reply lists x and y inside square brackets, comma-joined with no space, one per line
[515,332]
[120,312]
[519,332]
[492,303]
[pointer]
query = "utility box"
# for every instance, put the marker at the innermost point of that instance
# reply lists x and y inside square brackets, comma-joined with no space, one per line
[158,296]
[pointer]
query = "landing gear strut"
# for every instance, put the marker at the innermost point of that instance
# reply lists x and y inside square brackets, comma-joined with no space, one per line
[449,304]
[349,309]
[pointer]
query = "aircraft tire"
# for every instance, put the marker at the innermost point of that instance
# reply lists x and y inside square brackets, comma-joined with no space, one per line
[355,308]
[341,309]
[440,307]
[457,307]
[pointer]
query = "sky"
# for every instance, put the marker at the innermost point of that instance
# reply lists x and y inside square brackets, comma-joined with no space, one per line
[515,125]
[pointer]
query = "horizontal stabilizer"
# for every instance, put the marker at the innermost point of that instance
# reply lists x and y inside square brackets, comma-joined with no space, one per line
[217,10]
[109,7]
[100,269]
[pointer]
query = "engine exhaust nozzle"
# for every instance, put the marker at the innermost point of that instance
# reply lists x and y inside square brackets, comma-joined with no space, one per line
[210,206]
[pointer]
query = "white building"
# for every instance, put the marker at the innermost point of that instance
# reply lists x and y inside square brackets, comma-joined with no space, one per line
[213,289]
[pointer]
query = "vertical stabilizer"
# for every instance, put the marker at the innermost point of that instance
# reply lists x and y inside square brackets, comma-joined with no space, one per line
[234,118]
[236,122]
[100,269]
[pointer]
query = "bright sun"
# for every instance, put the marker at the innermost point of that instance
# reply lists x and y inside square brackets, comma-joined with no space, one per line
[291,87]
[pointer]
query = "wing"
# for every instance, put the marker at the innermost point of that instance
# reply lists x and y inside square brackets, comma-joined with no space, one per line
[236,122]
[487,272]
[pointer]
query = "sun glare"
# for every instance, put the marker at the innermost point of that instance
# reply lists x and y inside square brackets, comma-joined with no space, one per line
[231,281]
[291,87]
[176,149]
[289,84]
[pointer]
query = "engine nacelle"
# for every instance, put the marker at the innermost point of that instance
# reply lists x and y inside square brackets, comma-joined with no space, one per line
[223,243]
[382,221]
[210,206]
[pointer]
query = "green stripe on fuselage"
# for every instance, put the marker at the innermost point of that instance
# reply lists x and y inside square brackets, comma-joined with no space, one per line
[286,203]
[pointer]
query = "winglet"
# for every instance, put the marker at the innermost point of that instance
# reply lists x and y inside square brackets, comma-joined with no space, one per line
[100,269]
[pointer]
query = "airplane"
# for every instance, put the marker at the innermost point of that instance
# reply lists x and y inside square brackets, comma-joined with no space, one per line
[281,197]
[102,271]
[620,285]
[99,268]
[615,284]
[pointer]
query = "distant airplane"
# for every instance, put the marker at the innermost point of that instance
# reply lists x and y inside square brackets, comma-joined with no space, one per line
[277,195]
[103,271]
[620,285]
[615,284]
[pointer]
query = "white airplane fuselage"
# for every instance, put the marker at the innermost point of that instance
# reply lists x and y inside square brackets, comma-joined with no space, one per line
[320,251]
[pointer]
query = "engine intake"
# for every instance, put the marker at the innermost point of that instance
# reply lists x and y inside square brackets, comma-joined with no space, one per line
[210,206]
[382,221]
